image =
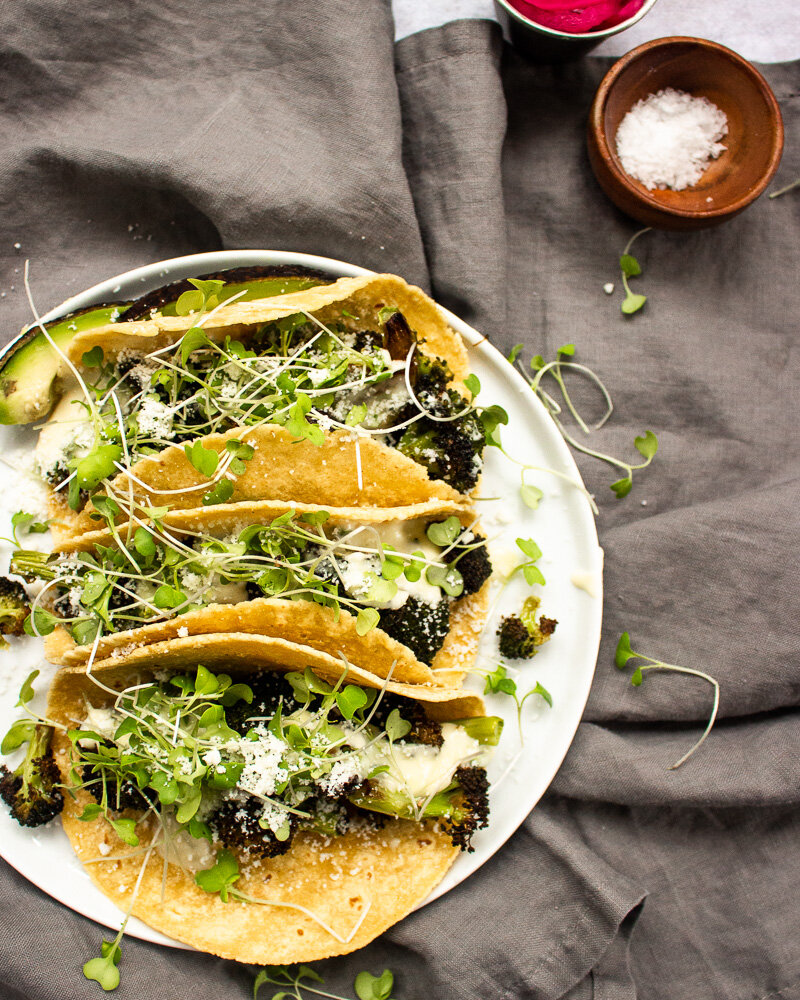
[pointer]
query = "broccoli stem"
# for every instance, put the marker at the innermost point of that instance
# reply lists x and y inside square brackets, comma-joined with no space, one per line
[485,729]
[398,804]
[28,563]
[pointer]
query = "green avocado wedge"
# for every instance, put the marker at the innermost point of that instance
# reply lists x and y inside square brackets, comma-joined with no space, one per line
[30,369]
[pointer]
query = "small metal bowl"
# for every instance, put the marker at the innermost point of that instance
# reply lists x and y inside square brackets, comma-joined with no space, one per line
[704,69]
[550,45]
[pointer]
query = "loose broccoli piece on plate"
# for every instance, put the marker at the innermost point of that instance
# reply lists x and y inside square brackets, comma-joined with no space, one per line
[521,635]
[14,608]
[32,790]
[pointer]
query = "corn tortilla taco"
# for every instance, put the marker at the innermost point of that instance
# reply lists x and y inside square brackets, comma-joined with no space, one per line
[299,815]
[349,394]
[408,596]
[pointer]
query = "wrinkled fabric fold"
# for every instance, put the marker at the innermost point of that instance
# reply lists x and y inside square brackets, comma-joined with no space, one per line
[133,133]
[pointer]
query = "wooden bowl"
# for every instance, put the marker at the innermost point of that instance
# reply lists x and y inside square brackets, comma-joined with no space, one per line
[704,69]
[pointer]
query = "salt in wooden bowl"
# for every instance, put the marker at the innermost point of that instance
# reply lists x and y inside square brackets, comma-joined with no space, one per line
[754,141]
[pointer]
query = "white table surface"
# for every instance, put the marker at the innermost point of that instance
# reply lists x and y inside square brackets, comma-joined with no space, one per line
[760,30]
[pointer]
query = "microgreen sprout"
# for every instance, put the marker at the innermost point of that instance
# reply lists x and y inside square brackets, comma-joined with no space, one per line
[624,653]
[630,268]
[498,682]
[298,978]
[785,190]
[646,444]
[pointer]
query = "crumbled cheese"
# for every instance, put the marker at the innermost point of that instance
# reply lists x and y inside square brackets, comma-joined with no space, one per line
[183,632]
[667,139]
[154,418]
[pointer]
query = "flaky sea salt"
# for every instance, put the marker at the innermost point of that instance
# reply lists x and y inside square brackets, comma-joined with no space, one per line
[668,139]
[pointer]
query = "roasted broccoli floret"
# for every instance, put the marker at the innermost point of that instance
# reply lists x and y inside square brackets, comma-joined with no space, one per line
[516,642]
[422,627]
[268,688]
[472,813]
[235,823]
[32,790]
[450,450]
[14,608]
[118,795]
[521,635]
[474,565]
[423,729]
[462,808]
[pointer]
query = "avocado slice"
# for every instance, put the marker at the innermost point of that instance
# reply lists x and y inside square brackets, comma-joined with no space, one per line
[257,282]
[30,365]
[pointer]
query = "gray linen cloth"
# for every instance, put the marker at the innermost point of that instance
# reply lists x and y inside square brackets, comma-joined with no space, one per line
[132,132]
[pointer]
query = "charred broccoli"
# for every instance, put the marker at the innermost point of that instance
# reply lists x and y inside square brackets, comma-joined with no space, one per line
[473,564]
[235,823]
[422,627]
[472,813]
[423,729]
[521,635]
[32,790]
[268,688]
[451,449]
[14,608]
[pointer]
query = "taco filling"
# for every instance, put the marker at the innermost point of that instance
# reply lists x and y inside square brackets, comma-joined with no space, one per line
[404,577]
[297,372]
[247,766]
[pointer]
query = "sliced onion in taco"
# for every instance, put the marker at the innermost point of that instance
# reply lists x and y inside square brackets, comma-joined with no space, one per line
[264,813]
[405,594]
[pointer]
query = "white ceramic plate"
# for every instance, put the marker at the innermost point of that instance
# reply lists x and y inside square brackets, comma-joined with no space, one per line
[563,526]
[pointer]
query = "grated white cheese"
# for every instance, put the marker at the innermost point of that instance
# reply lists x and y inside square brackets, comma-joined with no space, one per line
[668,139]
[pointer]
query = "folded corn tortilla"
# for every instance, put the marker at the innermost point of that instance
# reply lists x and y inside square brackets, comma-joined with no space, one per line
[301,621]
[284,469]
[358,884]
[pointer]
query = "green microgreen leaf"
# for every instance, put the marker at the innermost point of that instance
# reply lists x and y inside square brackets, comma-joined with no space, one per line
[144,543]
[205,460]
[125,830]
[622,487]
[529,548]
[98,465]
[192,339]
[220,493]
[472,384]
[491,418]
[104,970]
[514,353]
[567,349]
[220,877]
[26,692]
[356,415]
[531,495]
[629,265]
[93,358]
[633,303]
[369,987]
[40,622]
[498,682]
[396,726]
[27,523]
[366,620]
[20,732]
[447,578]
[350,699]
[444,533]
[623,652]
[647,445]
[168,597]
